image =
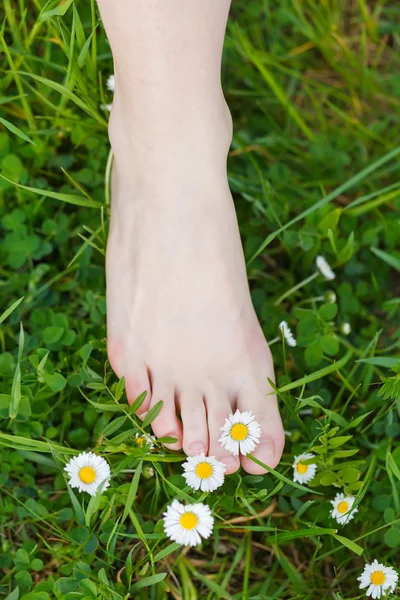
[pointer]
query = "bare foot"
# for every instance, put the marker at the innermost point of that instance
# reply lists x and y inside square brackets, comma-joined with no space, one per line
[181,324]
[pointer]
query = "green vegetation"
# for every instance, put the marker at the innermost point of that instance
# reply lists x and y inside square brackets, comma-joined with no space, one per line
[314,89]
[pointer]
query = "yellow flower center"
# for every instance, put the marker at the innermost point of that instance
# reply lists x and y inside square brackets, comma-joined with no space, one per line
[301,468]
[140,440]
[188,520]
[204,470]
[378,578]
[239,432]
[87,474]
[343,507]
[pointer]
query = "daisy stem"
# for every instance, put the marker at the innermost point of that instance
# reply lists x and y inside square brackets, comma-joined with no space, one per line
[282,477]
[296,287]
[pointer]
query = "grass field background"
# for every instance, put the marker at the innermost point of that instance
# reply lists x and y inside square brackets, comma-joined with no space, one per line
[314,90]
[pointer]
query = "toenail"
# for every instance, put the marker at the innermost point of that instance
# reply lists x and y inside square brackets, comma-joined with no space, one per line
[266,450]
[197,448]
[229,461]
[143,415]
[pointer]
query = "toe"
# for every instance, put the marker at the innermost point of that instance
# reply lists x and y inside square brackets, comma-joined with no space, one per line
[272,441]
[137,383]
[166,424]
[219,409]
[194,421]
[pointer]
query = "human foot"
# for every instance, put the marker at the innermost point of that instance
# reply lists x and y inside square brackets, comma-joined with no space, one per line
[181,324]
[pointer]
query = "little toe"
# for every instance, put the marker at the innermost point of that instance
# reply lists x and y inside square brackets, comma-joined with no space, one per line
[219,409]
[272,440]
[167,424]
[194,421]
[137,383]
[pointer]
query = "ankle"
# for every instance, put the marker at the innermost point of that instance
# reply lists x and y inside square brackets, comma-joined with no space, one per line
[176,128]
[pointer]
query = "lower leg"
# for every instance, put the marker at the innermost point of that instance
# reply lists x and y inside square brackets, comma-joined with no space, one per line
[180,320]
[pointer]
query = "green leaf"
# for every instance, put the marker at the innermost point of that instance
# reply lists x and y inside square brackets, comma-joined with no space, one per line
[166,551]
[329,344]
[108,407]
[136,404]
[349,475]
[132,490]
[389,259]
[328,479]
[335,366]
[152,414]
[349,544]
[330,221]
[392,537]
[58,11]
[16,384]
[148,581]
[339,441]
[393,466]
[51,335]
[68,198]
[356,422]
[55,381]
[381,361]
[120,389]
[9,310]
[14,594]
[328,311]
[114,426]
[16,131]
[344,453]
[88,587]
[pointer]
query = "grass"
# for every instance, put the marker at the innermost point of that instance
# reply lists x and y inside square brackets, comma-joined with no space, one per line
[314,89]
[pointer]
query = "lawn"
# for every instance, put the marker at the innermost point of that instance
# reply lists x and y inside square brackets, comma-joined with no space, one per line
[314,90]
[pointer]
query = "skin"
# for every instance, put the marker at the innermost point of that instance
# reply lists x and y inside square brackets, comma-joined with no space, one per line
[180,322]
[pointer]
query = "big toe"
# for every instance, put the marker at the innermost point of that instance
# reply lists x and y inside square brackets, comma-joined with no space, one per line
[272,440]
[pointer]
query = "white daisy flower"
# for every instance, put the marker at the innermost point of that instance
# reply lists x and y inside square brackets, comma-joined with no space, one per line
[87,472]
[342,508]
[345,328]
[186,525]
[378,579]
[303,473]
[324,268]
[287,334]
[145,439]
[111,83]
[204,473]
[241,433]
[106,107]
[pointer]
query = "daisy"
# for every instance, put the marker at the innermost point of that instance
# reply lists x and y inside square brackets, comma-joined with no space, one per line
[87,472]
[204,473]
[186,525]
[342,508]
[241,433]
[111,83]
[145,439]
[303,473]
[324,268]
[378,579]
[287,334]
